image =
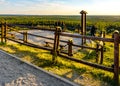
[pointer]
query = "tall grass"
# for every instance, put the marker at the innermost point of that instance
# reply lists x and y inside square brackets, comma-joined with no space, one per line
[76,72]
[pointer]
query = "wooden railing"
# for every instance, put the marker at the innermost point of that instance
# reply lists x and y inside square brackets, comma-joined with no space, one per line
[56,43]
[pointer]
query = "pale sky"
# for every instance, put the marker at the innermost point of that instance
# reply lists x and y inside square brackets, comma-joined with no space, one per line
[60,7]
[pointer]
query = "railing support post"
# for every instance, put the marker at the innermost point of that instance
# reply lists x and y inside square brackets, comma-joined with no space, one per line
[70,42]
[83,25]
[56,44]
[2,32]
[5,32]
[102,50]
[97,53]
[25,37]
[102,47]
[116,37]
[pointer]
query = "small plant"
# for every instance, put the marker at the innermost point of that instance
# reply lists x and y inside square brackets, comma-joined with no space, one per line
[2,43]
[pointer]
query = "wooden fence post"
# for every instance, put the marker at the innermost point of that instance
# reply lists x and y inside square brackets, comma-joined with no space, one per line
[56,43]
[102,50]
[97,53]
[83,25]
[102,35]
[116,37]
[5,32]
[102,47]
[25,37]
[70,42]
[2,32]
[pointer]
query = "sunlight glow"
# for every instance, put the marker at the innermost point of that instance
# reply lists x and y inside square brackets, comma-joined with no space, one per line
[60,7]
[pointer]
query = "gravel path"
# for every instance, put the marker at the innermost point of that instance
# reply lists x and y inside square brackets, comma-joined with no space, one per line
[15,72]
[49,34]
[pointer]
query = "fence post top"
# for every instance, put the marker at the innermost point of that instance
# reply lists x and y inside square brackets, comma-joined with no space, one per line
[83,12]
[116,34]
[116,31]
[59,28]
[70,41]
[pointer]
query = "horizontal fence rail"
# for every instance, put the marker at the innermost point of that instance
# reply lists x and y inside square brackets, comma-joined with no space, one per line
[43,37]
[30,44]
[88,37]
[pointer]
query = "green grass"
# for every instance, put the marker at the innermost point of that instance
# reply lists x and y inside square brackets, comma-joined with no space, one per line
[76,72]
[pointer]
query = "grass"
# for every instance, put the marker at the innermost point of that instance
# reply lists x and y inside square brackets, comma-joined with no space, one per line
[78,73]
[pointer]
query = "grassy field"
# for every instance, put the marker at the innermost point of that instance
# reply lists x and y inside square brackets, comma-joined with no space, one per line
[76,72]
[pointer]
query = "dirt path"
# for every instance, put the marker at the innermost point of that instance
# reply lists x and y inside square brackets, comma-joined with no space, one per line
[43,33]
[50,34]
[14,72]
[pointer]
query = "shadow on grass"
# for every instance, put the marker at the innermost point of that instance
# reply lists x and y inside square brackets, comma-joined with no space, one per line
[90,56]
[35,59]
[43,62]
[101,76]
[75,72]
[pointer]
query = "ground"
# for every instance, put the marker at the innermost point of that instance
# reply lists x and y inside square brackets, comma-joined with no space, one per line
[15,72]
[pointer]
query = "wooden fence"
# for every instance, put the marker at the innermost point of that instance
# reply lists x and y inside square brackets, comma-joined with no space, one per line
[56,45]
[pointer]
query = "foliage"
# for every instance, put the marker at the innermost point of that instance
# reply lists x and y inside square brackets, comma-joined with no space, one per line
[103,23]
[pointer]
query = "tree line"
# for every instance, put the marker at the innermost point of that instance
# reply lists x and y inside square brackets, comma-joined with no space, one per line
[102,23]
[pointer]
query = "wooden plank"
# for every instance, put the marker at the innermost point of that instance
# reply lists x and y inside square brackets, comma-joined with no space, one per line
[30,44]
[88,37]
[44,37]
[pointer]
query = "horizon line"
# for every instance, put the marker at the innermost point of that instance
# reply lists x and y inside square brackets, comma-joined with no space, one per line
[56,15]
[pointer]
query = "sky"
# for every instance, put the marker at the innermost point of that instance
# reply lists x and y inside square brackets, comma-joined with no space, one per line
[60,7]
